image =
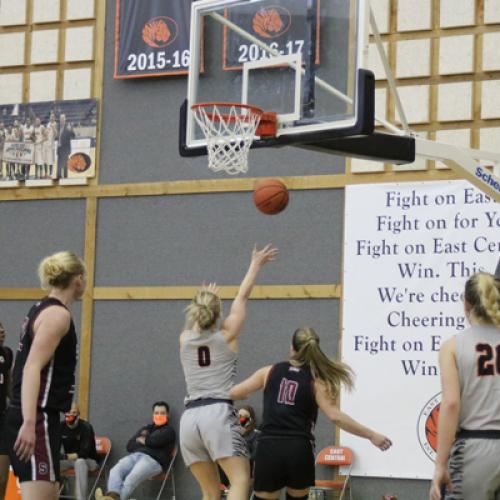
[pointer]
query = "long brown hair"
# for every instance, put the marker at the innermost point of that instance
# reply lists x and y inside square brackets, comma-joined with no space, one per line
[334,374]
[482,292]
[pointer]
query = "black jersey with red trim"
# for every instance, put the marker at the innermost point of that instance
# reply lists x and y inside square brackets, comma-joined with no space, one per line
[57,378]
[290,407]
[5,366]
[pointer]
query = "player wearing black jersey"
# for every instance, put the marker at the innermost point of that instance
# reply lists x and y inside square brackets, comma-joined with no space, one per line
[293,392]
[44,377]
[5,366]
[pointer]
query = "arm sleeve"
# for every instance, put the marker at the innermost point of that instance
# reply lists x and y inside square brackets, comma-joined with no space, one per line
[161,438]
[132,444]
[87,443]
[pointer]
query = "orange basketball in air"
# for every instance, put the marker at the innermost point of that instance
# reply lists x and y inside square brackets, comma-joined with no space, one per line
[270,196]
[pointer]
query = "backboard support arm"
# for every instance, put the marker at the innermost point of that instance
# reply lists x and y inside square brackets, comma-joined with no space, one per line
[466,163]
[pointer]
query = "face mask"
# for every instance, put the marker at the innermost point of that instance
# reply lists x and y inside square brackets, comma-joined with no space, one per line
[71,419]
[244,421]
[160,419]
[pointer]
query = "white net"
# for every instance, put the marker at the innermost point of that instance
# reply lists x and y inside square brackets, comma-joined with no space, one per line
[229,130]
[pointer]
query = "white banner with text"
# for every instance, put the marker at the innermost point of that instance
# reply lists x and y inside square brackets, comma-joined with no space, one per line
[408,251]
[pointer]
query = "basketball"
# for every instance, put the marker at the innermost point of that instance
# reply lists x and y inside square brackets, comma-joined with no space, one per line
[270,196]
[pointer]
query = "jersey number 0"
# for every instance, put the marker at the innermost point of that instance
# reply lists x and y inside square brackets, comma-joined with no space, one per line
[203,355]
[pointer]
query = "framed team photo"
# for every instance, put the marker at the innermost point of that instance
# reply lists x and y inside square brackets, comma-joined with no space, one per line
[48,140]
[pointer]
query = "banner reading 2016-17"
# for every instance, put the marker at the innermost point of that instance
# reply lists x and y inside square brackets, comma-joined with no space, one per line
[283,25]
[151,38]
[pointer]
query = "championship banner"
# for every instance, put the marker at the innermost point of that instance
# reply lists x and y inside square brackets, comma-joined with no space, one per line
[280,24]
[152,38]
[19,152]
[409,249]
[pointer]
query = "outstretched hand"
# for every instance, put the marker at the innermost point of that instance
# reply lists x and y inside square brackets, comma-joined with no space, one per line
[211,288]
[267,254]
[381,442]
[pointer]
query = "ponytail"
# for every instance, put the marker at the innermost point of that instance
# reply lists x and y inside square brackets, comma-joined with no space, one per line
[334,374]
[482,292]
[204,311]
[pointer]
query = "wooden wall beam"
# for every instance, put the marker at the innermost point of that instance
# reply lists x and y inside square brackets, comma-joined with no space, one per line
[87,308]
[226,292]
[216,186]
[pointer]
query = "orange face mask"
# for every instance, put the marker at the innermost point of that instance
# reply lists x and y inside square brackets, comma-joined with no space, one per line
[160,419]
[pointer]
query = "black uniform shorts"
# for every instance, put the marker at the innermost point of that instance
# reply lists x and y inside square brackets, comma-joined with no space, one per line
[44,464]
[281,462]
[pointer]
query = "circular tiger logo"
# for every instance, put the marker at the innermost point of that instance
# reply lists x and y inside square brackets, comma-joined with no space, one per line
[160,32]
[427,426]
[272,21]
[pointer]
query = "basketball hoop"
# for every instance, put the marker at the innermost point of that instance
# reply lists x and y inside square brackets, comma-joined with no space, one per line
[229,129]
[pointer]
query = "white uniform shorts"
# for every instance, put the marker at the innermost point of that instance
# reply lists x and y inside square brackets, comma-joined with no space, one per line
[211,432]
[474,467]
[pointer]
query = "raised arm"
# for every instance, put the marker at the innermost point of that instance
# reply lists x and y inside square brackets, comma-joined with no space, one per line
[345,422]
[250,385]
[448,416]
[50,327]
[234,321]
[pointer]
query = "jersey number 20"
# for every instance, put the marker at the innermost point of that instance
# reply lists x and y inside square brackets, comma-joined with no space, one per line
[489,361]
[203,355]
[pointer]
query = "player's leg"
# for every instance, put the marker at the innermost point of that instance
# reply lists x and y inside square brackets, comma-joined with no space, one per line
[237,469]
[4,473]
[207,476]
[39,490]
[196,456]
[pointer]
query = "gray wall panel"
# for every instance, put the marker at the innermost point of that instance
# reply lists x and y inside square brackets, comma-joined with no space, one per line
[31,230]
[183,240]
[140,133]
[136,361]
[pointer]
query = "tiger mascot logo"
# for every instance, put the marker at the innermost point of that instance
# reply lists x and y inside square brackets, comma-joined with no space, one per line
[272,21]
[427,426]
[159,32]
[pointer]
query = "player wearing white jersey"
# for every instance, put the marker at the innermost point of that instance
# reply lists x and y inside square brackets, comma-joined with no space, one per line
[209,429]
[49,145]
[468,448]
[39,133]
[28,135]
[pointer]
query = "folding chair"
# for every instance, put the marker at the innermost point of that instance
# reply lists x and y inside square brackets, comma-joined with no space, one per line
[335,456]
[165,475]
[103,448]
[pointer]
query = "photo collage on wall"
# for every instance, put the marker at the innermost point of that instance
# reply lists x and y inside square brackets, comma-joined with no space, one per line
[47,141]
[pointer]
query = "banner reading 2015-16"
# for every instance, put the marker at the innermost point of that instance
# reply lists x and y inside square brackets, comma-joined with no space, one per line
[151,38]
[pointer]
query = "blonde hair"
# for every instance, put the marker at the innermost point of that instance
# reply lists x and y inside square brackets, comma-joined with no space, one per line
[204,310]
[482,292]
[334,374]
[57,270]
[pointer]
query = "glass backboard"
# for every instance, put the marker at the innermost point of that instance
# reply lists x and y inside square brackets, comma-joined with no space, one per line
[302,59]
